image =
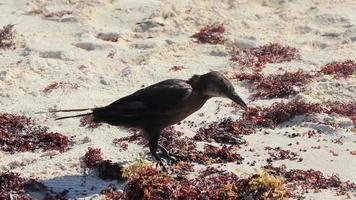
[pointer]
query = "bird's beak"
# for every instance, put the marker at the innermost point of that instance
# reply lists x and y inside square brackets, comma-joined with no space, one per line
[237,99]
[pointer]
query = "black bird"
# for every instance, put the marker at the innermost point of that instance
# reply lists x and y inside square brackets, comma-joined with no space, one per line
[157,106]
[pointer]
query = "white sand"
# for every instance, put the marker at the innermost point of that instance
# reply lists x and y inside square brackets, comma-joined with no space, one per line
[66,49]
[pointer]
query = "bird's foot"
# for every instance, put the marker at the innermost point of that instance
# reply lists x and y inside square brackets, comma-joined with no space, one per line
[178,157]
[168,158]
[162,165]
[173,158]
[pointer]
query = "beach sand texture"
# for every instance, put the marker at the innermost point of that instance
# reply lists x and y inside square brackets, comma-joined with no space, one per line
[100,50]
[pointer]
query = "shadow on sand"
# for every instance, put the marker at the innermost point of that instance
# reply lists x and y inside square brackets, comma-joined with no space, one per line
[77,186]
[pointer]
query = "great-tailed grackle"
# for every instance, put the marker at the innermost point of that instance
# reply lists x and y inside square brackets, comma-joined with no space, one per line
[157,106]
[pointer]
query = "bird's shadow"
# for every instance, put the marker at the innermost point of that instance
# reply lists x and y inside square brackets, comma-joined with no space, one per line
[77,186]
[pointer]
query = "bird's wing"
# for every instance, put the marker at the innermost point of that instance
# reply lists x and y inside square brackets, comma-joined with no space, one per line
[160,98]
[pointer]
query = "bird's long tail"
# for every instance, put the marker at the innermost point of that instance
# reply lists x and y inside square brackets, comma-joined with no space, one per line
[72,116]
[66,110]
[69,110]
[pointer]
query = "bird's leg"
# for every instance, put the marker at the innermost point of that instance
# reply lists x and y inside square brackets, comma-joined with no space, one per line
[153,144]
[167,154]
[173,157]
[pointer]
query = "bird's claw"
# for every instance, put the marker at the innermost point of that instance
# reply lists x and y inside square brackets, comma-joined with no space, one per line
[169,159]
[162,165]
[173,158]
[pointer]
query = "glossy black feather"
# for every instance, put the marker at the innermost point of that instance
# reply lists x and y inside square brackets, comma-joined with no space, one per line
[158,100]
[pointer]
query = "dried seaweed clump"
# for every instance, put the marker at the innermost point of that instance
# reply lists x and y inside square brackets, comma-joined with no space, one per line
[343,109]
[250,78]
[258,57]
[302,181]
[56,85]
[12,186]
[280,85]
[185,149]
[223,185]
[225,131]
[168,135]
[106,168]
[181,168]
[87,121]
[281,154]
[220,154]
[339,69]
[263,186]
[147,182]
[275,53]
[7,36]
[279,112]
[181,146]
[20,133]
[212,34]
[93,157]
[135,137]
[211,154]
[112,193]
[123,145]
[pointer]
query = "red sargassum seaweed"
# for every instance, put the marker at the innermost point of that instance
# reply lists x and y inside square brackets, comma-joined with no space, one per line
[123,145]
[12,185]
[339,69]
[181,168]
[20,133]
[172,140]
[112,193]
[151,181]
[87,121]
[258,57]
[186,149]
[310,180]
[7,36]
[279,85]
[225,131]
[210,184]
[278,113]
[210,170]
[222,154]
[135,137]
[211,34]
[93,157]
[250,78]
[55,85]
[281,154]
[275,53]
[343,109]
[52,87]
[245,58]
[107,169]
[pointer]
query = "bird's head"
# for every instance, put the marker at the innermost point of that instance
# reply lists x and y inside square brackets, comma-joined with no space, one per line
[214,84]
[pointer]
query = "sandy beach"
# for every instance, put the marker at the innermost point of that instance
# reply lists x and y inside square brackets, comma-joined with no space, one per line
[88,53]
